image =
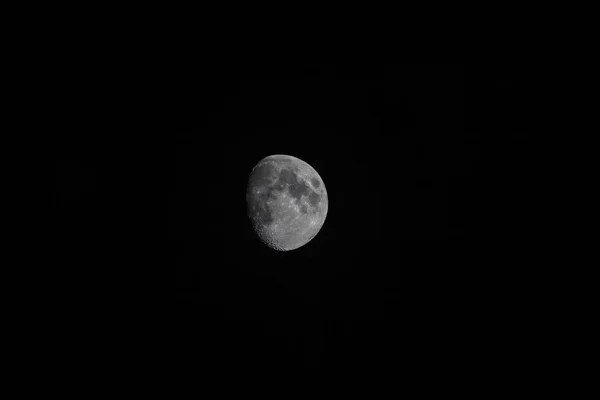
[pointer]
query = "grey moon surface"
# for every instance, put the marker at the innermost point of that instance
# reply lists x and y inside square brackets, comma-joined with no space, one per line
[286,201]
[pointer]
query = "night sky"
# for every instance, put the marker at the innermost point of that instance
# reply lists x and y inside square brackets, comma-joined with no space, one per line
[426,171]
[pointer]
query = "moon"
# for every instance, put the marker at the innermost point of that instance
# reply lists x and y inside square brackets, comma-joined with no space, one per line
[287,202]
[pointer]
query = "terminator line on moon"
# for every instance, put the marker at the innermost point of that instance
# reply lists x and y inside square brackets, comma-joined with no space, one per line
[287,202]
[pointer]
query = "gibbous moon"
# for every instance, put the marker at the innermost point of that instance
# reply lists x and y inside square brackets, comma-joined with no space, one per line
[287,202]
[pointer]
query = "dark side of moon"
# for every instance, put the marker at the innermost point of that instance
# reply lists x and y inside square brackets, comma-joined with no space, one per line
[287,202]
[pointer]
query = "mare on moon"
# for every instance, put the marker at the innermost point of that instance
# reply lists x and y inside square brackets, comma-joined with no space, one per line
[287,202]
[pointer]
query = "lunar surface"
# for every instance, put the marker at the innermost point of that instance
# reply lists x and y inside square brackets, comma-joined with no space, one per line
[287,202]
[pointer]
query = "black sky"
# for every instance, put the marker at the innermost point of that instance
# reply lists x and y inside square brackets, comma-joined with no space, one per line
[420,162]
[426,170]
